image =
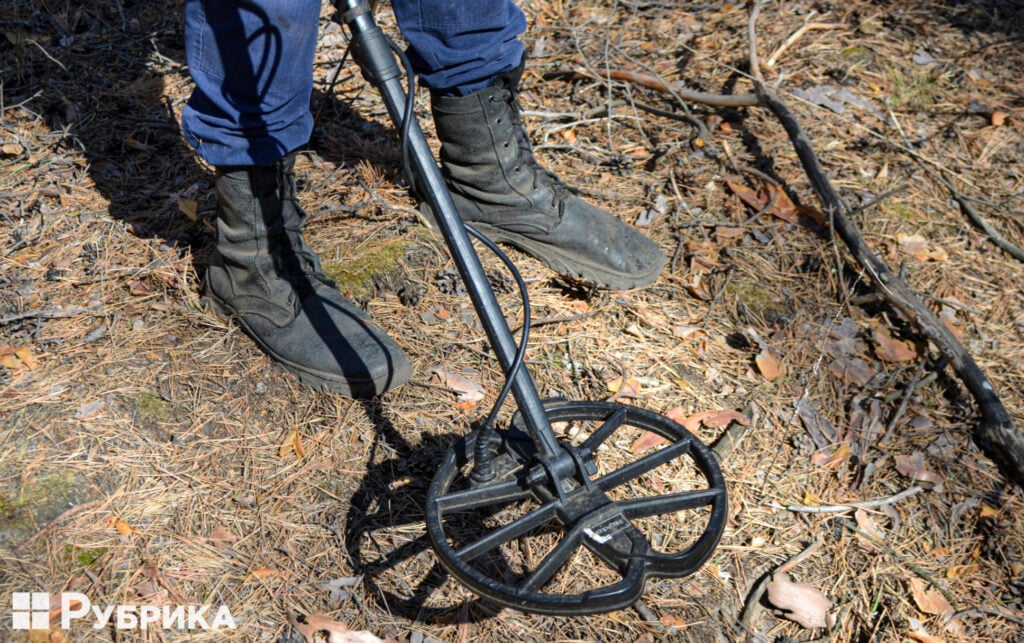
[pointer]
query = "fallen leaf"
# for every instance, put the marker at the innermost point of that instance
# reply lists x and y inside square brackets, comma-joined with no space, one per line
[336,587]
[222,538]
[998,118]
[711,419]
[292,443]
[949,319]
[890,349]
[798,602]
[267,572]
[90,411]
[465,389]
[624,387]
[833,460]
[918,633]
[918,247]
[853,370]
[138,288]
[913,466]
[868,525]
[773,200]
[769,366]
[929,601]
[121,526]
[313,626]
[189,207]
[684,332]
[647,441]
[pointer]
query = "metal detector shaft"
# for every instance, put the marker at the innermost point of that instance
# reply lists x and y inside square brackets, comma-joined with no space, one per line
[373,53]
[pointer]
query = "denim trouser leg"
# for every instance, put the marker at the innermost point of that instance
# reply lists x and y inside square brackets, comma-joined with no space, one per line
[458,47]
[252,65]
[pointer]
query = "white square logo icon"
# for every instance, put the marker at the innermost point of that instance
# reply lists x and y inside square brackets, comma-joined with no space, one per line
[30,610]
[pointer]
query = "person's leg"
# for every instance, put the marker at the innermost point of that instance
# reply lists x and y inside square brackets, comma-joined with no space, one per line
[470,57]
[460,47]
[252,63]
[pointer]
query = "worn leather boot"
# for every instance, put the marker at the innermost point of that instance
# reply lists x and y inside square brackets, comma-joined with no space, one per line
[499,188]
[271,282]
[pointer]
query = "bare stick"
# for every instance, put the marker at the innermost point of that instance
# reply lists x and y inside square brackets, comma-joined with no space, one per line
[965,206]
[797,35]
[623,75]
[866,504]
[995,433]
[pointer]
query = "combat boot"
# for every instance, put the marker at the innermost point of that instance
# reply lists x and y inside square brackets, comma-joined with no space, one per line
[498,186]
[265,276]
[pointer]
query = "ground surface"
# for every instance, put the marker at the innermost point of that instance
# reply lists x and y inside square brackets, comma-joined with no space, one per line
[194,471]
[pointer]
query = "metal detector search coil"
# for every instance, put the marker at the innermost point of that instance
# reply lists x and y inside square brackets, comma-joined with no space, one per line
[521,517]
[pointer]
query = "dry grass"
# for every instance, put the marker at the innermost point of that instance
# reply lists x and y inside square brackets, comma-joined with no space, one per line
[133,398]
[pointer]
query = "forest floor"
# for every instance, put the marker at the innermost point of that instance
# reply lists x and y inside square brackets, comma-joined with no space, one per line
[150,454]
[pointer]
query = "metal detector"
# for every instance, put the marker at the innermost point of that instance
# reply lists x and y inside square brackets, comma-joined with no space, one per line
[528,520]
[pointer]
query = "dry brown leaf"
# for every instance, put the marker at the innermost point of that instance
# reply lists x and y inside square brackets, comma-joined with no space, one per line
[798,602]
[222,538]
[138,288]
[647,441]
[833,460]
[868,525]
[121,526]
[466,390]
[769,365]
[929,601]
[292,443]
[890,349]
[711,419]
[313,626]
[913,466]
[267,572]
[918,247]
[923,636]
[18,359]
[189,207]
[853,370]
[628,387]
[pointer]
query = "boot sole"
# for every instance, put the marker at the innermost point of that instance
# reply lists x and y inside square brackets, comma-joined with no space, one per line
[564,263]
[319,382]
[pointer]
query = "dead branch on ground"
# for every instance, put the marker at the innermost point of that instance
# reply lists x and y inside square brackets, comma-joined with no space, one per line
[995,432]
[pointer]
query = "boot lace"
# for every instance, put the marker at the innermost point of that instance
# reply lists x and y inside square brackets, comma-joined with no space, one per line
[541,176]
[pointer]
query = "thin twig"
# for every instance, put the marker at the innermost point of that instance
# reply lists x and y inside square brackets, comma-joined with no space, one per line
[50,313]
[965,206]
[797,35]
[866,504]
[907,394]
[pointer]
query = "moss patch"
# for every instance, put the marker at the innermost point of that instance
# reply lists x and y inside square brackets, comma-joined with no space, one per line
[84,556]
[26,508]
[760,302]
[357,275]
[150,406]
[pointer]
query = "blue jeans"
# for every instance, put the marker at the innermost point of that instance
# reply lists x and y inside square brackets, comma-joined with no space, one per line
[252,65]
